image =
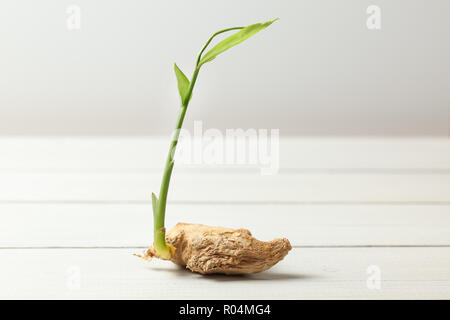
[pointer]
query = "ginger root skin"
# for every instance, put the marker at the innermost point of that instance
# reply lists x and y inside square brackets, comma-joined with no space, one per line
[218,250]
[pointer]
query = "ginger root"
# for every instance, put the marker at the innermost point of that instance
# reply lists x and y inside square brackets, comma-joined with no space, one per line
[209,250]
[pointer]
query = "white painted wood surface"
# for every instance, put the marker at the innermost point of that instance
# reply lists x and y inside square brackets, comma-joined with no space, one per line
[228,187]
[306,273]
[85,225]
[76,208]
[138,153]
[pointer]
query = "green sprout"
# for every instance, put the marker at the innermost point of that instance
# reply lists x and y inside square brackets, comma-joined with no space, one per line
[185,88]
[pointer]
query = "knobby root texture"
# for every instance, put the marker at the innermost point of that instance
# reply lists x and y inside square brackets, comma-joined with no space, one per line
[209,250]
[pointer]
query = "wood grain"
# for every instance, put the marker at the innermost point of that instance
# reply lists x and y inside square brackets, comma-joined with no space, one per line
[308,273]
[118,225]
[145,153]
[227,187]
[79,207]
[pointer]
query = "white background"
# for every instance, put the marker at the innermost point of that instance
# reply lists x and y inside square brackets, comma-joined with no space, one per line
[317,71]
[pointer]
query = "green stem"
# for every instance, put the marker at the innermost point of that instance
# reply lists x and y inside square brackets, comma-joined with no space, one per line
[159,241]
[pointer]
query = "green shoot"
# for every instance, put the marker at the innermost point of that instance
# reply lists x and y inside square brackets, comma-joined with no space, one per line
[185,88]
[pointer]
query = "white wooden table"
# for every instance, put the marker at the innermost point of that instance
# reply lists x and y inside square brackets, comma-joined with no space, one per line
[368,218]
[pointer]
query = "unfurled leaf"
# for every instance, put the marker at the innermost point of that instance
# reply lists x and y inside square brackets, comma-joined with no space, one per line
[234,39]
[183,82]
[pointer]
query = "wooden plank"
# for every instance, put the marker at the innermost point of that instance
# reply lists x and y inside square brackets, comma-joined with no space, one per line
[146,153]
[339,273]
[118,225]
[236,187]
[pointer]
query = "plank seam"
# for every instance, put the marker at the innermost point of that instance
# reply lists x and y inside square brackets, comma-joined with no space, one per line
[225,171]
[294,247]
[231,203]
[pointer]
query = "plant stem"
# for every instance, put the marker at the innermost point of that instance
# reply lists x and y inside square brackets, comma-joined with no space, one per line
[159,241]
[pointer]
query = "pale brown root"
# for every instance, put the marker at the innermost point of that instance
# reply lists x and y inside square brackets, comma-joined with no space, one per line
[208,250]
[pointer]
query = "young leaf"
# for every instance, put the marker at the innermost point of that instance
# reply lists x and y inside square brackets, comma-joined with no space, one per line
[154,203]
[183,82]
[234,39]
